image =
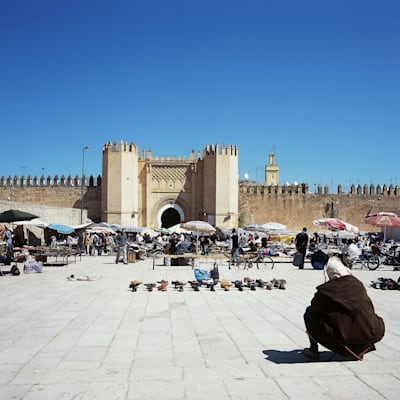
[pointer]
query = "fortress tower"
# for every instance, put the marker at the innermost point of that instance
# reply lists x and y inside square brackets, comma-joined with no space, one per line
[119,199]
[272,171]
[220,181]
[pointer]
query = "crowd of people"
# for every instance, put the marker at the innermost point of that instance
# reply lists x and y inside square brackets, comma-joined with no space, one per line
[318,248]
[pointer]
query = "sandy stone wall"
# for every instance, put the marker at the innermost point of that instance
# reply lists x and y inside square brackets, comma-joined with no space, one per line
[293,206]
[64,197]
[297,208]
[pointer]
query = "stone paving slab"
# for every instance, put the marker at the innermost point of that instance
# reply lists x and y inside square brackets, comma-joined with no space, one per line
[62,339]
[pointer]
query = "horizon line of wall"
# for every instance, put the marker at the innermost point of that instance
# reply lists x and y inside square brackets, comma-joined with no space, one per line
[251,186]
[49,181]
[303,188]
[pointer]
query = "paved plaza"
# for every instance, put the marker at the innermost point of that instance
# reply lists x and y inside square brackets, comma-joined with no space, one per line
[82,340]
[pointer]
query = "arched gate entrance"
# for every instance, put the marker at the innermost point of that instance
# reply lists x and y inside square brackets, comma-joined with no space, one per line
[170,215]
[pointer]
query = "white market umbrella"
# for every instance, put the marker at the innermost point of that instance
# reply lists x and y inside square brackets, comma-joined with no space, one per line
[149,231]
[198,227]
[274,226]
[101,229]
[177,229]
[33,222]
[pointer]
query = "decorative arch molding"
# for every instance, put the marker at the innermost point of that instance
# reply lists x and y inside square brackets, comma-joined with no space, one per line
[166,203]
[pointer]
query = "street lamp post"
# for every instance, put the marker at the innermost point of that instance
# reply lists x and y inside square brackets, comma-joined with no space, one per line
[83,179]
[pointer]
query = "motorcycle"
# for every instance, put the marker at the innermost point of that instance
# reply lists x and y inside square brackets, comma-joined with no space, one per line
[144,250]
[391,256]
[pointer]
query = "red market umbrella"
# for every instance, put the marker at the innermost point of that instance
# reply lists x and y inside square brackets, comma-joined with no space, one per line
[383,219]
[336,224]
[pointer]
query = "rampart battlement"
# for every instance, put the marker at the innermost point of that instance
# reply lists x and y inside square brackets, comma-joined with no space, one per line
[49,181]
[303,188]
[149,156]
[120,147]
[213,150]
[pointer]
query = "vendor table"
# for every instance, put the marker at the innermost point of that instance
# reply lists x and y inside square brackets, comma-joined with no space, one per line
[191,256]
[61,254]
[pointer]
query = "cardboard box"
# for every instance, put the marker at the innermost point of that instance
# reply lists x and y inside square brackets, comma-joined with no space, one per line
[131,257]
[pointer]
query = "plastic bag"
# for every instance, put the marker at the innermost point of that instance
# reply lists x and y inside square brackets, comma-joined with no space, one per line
[201,274]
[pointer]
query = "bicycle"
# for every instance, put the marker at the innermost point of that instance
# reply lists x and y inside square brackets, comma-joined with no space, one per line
[260,258]
[366,260]
[248,259]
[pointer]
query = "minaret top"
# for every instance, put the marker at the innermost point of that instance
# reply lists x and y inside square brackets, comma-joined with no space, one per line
[271,158]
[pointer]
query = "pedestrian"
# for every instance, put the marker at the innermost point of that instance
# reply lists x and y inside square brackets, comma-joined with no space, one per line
[80,243]
[95,242]
[301,242]
[88,242]
[235,246]
[204,243]
[122,246]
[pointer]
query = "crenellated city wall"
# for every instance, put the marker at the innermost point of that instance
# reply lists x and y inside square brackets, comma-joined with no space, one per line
[54,191]
[294,206]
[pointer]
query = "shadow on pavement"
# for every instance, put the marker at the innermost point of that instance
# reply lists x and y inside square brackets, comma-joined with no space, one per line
[297,357]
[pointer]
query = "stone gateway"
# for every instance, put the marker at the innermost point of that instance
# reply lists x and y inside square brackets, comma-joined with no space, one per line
[142,190]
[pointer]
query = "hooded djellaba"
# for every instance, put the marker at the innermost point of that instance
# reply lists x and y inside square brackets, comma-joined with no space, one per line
[341,316]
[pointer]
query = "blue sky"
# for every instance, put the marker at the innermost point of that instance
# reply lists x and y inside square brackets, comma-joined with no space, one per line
[317,82]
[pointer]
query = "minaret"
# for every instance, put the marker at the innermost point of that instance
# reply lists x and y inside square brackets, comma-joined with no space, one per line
[272,171]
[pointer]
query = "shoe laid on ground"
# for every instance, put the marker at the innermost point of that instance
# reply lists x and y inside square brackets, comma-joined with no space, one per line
[177,284]
[224,283]
[314,355]
[163,286]
[269,285]
[150,286]
[260,283]
[134,285]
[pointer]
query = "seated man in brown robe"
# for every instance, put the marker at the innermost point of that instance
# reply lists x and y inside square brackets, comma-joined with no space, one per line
[341,316]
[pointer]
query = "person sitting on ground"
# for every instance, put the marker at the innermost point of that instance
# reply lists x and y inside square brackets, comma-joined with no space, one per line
[350,253]
[341,316]
[319,259]
[183,246]
[312,247]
